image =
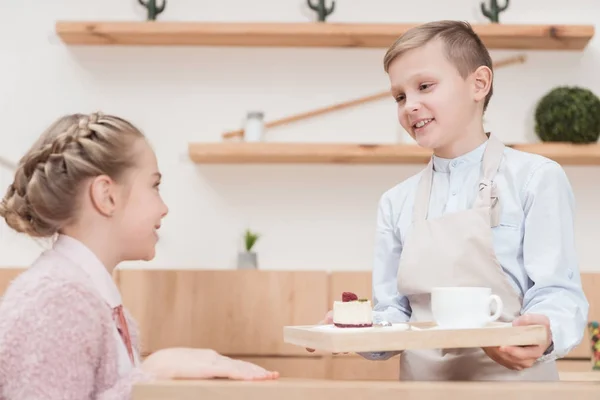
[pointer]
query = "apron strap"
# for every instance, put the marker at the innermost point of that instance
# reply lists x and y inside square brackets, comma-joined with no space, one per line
[421,206]
[487,195]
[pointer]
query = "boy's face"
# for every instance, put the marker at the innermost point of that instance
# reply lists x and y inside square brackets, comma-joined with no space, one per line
[436,106]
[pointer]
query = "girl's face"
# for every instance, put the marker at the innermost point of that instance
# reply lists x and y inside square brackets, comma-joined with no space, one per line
[140,216]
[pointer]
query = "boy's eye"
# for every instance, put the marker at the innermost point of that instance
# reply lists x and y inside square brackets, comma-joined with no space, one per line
[399,98]
[424,86]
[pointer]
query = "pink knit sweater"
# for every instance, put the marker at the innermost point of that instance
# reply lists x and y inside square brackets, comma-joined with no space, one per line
[56,338]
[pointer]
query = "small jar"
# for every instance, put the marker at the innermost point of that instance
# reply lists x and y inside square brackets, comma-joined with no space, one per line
[255,127]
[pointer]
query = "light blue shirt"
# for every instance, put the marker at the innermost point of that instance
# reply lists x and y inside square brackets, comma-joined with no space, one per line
[534,242]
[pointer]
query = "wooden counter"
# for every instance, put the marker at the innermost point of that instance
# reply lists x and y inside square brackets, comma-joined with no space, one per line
[302,389]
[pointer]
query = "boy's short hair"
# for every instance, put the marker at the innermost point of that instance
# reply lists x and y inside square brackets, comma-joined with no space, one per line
[463,46]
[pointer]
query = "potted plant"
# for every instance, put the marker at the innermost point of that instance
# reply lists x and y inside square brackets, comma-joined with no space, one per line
[568,114]
[248,259]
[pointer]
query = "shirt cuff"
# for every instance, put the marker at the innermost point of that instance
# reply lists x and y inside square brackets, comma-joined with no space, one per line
[379,355]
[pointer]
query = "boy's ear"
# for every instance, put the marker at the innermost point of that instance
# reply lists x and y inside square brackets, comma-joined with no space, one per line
[482,82]
[103,195]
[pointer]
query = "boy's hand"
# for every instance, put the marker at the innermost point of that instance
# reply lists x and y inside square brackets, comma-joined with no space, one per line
[521,357]
[326,321]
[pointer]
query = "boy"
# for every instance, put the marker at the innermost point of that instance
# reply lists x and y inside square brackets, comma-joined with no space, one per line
[479,214]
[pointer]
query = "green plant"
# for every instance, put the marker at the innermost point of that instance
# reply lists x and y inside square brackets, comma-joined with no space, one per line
[250,239]
[153,9]
[493,13]
[568,114]
[321,9]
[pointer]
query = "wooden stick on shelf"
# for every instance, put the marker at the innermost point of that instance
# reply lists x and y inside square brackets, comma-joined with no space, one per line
[350,103]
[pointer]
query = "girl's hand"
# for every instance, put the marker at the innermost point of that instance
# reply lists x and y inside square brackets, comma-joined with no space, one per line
[227,367]
[521,357]
[189,363]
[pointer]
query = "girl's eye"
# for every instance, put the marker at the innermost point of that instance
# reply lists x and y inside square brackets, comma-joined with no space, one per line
[399,98]
[424,86]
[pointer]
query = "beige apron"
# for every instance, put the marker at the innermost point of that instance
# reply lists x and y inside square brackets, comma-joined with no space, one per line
[457,250]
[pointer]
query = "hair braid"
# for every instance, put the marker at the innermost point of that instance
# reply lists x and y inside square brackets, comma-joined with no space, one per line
[43,195]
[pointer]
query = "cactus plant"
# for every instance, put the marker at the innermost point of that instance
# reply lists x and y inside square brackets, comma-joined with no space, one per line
[493,13]
[153,9]
[321,8]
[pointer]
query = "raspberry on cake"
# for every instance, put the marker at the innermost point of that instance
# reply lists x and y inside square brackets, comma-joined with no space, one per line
[352,312]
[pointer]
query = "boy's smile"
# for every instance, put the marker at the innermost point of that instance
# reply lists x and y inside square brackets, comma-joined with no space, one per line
[420,125]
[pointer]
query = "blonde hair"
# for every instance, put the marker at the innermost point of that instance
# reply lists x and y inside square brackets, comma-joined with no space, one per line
[44,194]
[463,47]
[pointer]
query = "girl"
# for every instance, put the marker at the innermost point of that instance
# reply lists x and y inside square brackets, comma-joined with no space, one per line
[91,181]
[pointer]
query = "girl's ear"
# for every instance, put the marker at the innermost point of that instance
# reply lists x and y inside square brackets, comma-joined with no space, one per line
[482,82]
[103,194]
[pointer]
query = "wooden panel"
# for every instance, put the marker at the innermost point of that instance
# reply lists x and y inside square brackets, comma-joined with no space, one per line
[231,311]
[591,287]
[302,389]
[346,153]
[565,365]
[374,35]
[6,277]
[353,367]
[293,367]
[574,376]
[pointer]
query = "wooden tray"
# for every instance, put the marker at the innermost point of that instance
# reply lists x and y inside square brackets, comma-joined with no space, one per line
[418,335]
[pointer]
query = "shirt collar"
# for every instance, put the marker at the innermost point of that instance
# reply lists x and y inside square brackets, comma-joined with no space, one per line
[448,164]
[85,259]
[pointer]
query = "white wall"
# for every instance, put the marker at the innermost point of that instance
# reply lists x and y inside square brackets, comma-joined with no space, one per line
[311,217]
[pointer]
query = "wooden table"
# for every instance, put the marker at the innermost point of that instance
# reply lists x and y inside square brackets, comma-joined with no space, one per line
[307,389]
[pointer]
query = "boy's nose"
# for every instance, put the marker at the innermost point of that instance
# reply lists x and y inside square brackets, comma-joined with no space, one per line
[412,105]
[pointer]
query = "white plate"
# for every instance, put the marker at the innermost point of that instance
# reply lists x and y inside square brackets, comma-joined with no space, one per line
[333,328]
[495,325]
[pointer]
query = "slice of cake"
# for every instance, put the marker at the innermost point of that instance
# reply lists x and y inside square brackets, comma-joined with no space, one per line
[352,312]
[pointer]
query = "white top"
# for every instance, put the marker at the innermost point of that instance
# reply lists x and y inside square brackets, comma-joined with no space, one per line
[103,282]
[534,242]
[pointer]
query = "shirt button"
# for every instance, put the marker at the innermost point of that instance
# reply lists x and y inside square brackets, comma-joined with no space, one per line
[453,193]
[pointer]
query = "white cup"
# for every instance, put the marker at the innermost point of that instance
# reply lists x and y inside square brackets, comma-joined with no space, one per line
[464,307]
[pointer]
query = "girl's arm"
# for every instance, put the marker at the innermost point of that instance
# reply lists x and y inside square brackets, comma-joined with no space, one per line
[52,344]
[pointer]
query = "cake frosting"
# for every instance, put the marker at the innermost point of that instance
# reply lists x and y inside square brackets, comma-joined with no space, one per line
[352,312]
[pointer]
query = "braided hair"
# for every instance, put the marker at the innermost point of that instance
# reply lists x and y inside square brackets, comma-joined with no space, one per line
[45,192]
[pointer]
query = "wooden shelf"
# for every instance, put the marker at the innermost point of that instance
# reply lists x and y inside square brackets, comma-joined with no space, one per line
[313,34]
[330,153]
